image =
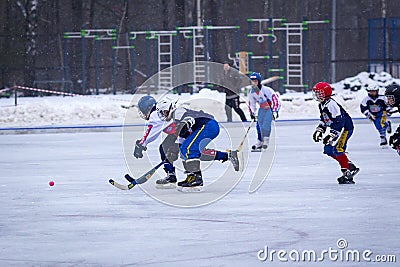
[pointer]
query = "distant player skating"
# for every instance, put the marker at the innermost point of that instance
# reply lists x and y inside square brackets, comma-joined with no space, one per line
[269,107]
[194,131]
[341,126]
[392,94]
[374,107]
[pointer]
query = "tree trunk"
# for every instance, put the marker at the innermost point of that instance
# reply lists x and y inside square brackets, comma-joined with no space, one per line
[30,11]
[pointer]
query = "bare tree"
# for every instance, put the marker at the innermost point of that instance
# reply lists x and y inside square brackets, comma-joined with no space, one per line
[28,9]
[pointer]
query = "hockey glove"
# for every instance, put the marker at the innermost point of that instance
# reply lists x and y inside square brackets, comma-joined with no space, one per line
[394,140]
[370,116]
[253,116]
[139,148]
[184,127]
[317,136]
[331,137]
[275,115]
[172,153]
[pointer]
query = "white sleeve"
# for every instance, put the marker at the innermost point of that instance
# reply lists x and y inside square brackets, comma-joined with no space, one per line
[154,128]
[334,109]
[364,101]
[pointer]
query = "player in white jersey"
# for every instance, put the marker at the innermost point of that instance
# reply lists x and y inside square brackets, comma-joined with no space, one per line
[269,107]
[169,150]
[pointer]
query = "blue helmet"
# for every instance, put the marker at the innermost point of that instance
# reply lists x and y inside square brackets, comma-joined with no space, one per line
[145,105]
[256,76]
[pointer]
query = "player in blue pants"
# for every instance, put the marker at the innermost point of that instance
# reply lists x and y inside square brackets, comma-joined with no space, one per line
[374,107]
[194,131]
[269,106]
[341,126]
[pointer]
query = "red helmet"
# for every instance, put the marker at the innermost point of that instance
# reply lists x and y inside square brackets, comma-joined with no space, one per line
[322,91]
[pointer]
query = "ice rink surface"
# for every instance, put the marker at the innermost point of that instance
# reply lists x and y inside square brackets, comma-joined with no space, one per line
[84,221]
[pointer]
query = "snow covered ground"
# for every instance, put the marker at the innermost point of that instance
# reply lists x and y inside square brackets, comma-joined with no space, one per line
[84,221]
[106,109]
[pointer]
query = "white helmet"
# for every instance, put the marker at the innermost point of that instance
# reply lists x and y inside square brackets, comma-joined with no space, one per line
[165,108]
[372,87]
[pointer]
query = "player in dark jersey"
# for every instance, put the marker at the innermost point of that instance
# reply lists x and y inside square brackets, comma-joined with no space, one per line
[392,94]
[341,126]
[194,131]
[374,107]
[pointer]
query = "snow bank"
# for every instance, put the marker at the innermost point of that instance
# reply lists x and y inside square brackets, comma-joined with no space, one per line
[89,110]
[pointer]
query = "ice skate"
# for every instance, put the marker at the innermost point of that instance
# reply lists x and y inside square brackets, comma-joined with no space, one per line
[347,177]
[168,182]
[265,143]
[234,158]
[257,146]
[192,183]
[353,168]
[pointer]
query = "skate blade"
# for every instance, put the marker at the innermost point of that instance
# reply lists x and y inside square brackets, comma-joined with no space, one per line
[345,181]
[166,186]
[256,150]
[195,189]
[384,146]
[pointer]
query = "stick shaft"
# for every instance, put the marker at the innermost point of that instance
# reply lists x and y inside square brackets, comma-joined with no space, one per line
[244,137]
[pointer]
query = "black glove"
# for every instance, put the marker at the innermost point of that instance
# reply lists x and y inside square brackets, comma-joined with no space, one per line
[394,140]
[253,116]
[172,153]
[139,148]
[331,137]
[317,136]
[184,127]
[275,115]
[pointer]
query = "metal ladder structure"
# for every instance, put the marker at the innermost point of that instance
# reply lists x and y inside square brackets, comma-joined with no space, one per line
[164,54]
[199,56]
[199,51]
[197,33]
[294,55]
[294,46]
[165,58]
